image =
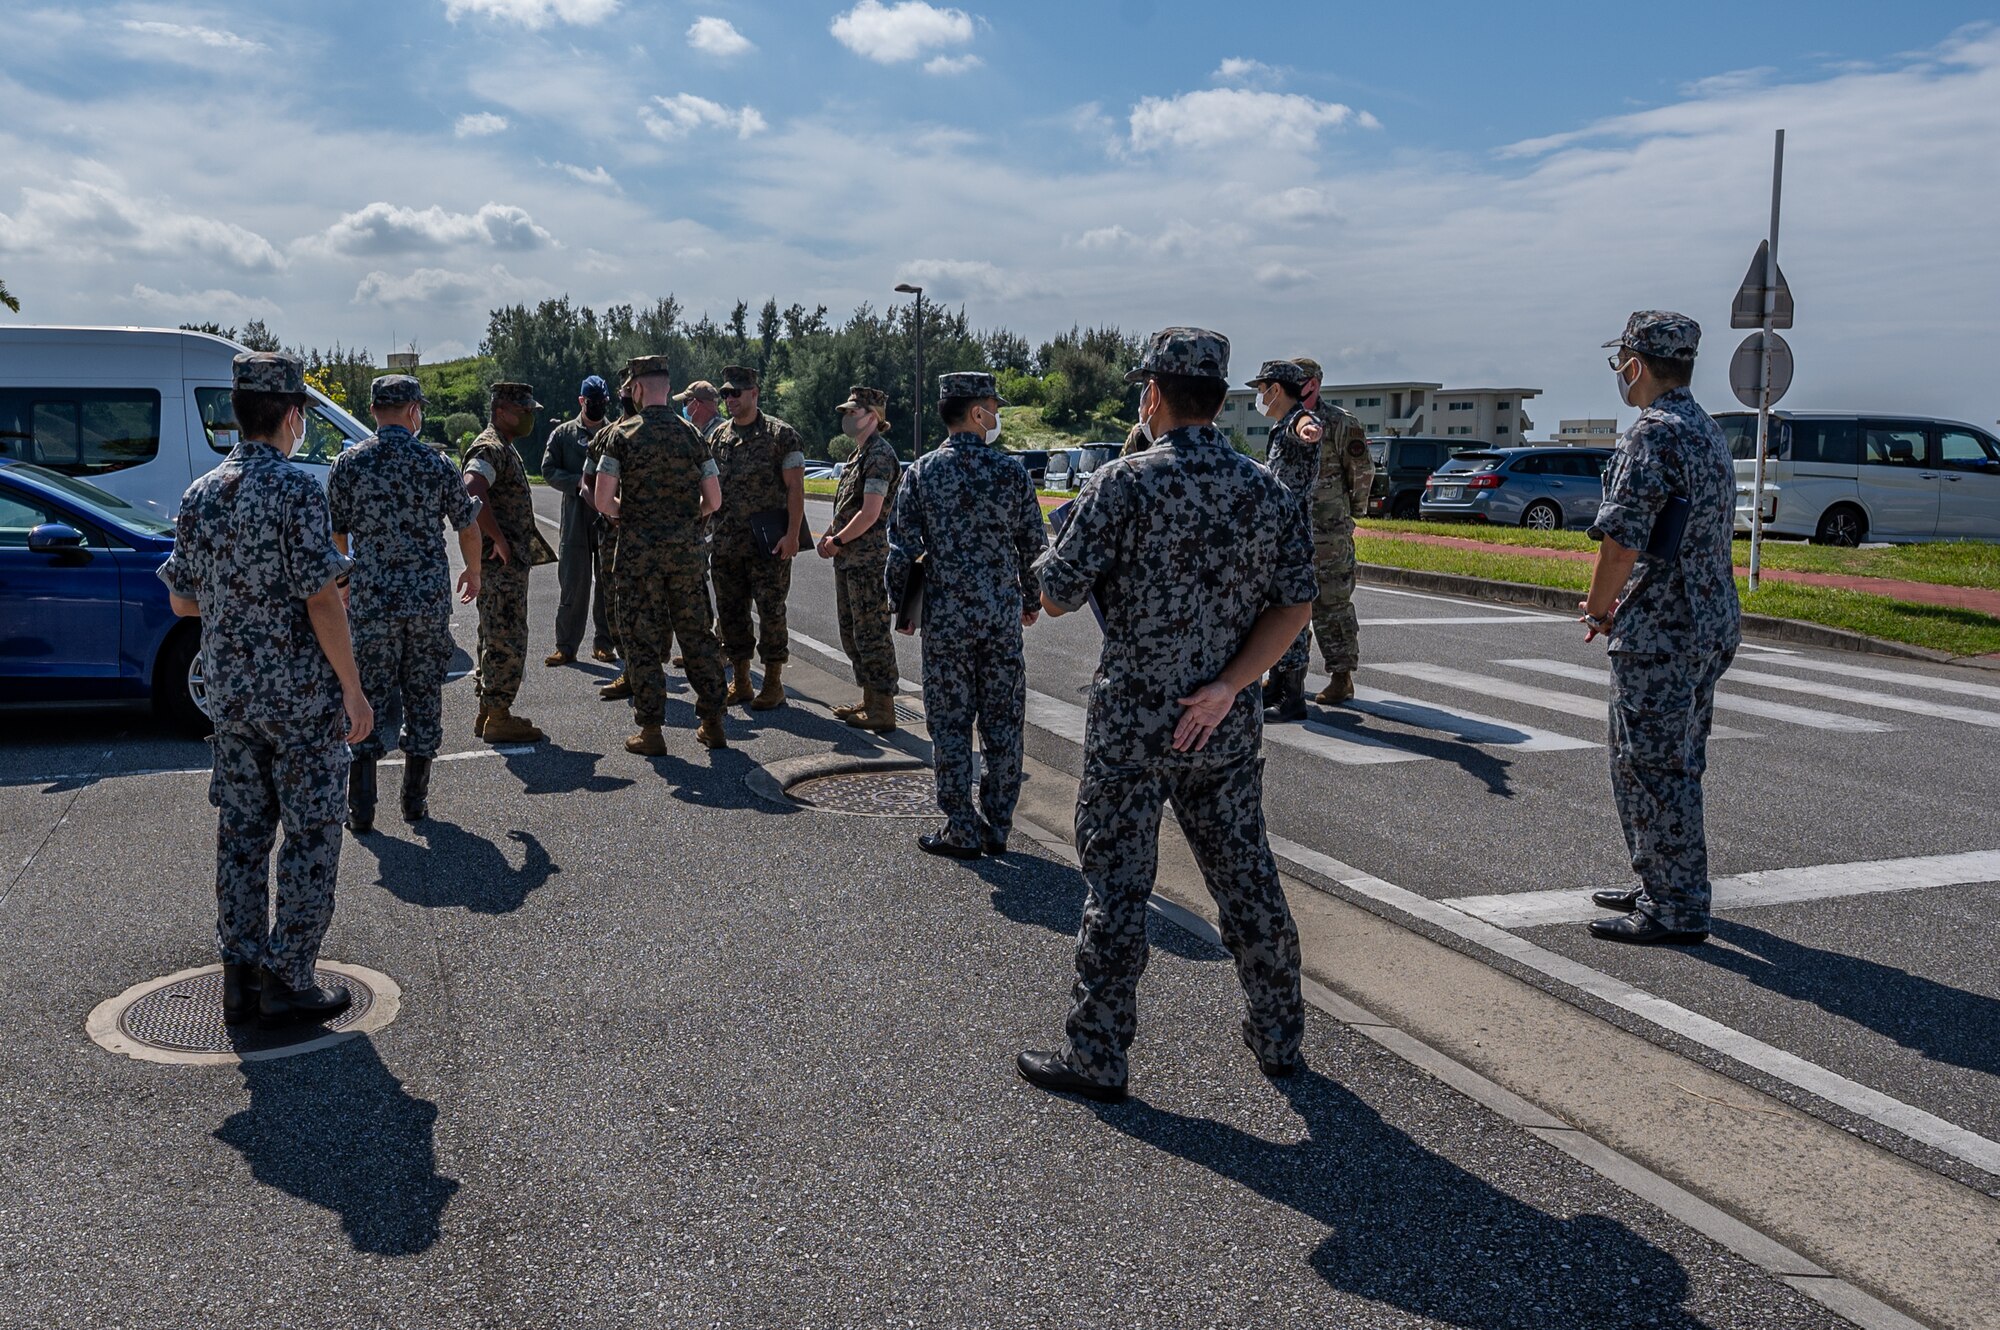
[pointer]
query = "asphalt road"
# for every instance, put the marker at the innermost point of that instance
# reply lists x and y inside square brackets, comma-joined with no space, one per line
[672,1055]
[1896,992]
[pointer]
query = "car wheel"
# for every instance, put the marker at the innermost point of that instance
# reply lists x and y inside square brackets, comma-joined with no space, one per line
[1541,515]
[1404,509]
[1842,524]
[180,692]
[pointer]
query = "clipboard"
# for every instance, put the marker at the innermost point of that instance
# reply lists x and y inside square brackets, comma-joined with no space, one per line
[1059,518]
[910,609]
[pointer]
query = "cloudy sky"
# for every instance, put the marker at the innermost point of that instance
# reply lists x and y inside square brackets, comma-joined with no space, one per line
[1469,193]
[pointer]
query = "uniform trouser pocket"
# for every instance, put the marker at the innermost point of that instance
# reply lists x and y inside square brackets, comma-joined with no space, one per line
[1653,714]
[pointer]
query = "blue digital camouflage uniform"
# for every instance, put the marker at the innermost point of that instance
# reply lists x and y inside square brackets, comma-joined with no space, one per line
[251,543]
[392,495]
[1673,642]
[659,460]
[1184,545]
[969,511]
[752,460]
[861,596]
[503,587]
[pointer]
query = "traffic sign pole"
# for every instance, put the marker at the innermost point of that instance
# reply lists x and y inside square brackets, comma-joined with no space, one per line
[1764,378]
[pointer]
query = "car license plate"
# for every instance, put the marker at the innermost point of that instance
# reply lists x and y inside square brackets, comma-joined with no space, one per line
[1449,493]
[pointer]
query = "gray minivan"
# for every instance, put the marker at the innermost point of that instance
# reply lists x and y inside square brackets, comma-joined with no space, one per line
[1840,478]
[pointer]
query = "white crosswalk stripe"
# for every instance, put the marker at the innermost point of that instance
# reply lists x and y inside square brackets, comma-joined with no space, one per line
[1810,717]
[1467,726]
[1548,699]
[1901,678]
[1916,706]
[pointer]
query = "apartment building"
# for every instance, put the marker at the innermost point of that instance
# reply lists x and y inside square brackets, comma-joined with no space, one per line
[1586,433]
[1485,415]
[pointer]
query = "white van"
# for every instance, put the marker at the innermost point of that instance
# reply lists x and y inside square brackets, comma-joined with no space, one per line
[137,411]
[1841,478]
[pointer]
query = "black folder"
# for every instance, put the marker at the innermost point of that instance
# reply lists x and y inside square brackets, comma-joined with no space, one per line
[910,609]
[768,528]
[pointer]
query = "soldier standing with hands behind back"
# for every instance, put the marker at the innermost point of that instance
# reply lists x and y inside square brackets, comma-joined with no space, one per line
[496,477]
[858,543]
[254,559]
[1673,626]
[1294,459]
[763,468]
[576,549]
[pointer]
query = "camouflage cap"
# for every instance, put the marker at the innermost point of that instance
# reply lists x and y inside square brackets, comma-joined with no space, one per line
[639,367]
[1195,352]
[396,390]
[594,386]
[1661,334]
[1310,366]
[515,394]
[269,372]
[1288,372]
[865,399]
[738,376]
[701,390]
[969,383]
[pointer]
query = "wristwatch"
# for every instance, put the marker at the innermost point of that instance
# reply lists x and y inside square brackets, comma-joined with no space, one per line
[1595,620]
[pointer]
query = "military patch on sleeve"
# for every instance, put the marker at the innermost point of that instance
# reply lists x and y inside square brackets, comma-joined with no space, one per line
[1356,447]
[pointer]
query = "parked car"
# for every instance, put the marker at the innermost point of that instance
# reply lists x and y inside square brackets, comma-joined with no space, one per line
[1546,489]
[1061,472]
[1841,478]
[83,615]
[1402,465]
[138,412]
[1036,460]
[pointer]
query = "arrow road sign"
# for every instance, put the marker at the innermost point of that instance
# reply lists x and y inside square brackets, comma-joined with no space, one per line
[1748,310]
[1746,370]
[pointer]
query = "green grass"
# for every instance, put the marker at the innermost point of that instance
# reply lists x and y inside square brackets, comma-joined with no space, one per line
[1939,627]
[1966,564]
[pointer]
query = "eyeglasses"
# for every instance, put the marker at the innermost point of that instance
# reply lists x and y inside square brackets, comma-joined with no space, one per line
[1616,359]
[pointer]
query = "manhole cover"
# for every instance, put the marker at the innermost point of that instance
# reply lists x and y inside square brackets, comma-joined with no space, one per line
[870,793]
[179,1018]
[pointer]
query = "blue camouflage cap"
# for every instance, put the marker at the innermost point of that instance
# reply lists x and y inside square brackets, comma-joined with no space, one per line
[1194,352]
[594,386]
[1661,334]
[396,390]
[969,383]
[1288,372]
[269,372]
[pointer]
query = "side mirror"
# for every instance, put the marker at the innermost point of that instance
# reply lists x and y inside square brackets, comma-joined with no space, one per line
[54,538]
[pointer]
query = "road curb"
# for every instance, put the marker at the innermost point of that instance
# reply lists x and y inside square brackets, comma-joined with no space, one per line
[1563,600]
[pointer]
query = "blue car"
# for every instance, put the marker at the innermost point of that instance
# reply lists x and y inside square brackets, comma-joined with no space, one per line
[83,615]
[1544,489]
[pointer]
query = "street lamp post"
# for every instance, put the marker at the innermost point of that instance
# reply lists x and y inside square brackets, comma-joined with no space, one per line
[917,396]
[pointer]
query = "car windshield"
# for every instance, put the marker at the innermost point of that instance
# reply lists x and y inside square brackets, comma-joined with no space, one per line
[101,504]
[1378,451]
[1470,462]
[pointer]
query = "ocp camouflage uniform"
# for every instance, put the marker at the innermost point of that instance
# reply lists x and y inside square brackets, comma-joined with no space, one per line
[1184,545]
[1346,475]
[1296,465]
[752,460]
[861,595]
[659,460]
[969,511]
[1673,641]
[390,494]
[251,544]
[503,587]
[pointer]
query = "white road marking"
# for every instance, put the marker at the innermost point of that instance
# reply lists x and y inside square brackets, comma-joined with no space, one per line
[505,750]
[1916,706]
[1484,606]
[1458,619]
[1836,1089]
[1963,687]
[1749,891]
[1467,726]
[1548,699]
[548,522]
[1749,706]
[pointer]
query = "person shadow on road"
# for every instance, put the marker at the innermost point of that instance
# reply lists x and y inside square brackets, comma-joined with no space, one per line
[338,1130]
[455,867]
[1410,1228]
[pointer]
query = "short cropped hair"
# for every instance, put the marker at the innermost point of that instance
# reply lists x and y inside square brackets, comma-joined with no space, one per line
[954,410]
[258,415]
[1670,372]
[1191,397]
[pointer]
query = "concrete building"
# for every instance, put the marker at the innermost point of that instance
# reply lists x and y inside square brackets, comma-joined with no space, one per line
[403,362]
[1586,433]
[1484,415]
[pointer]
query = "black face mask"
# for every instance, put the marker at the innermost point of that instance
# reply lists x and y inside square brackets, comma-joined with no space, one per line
[626,406]
[593,408]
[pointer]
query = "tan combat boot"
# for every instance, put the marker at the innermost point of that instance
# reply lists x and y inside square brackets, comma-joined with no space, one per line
[479,726]
[850,711]
[710,734]
[648,742]
[739,683]
[772,696]
[617,690]
[504,727]
[1338,689]
[877,711]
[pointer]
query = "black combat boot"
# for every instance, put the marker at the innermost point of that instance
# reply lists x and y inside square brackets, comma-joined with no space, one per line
[361,795]
[239,992]
[1286,698]
[416,789]
[279,1005]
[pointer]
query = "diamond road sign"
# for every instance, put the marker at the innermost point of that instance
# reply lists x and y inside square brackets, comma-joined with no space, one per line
[1746,369]
[1748,309]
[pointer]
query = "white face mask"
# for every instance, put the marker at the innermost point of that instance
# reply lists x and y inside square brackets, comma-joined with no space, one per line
[1264,402]
[1145,425]
[993,435]
[1625,389]
[299,439]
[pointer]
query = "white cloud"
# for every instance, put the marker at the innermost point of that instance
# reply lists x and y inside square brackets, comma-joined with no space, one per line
[891,34]
[214,38]
[1734,81]
[1237,69]
[960,279]
[717,37]
[1283,276]
[1300,203]
[479,125]
[682,114]
[94,214]
[952,64]
[597,175]
[384,228]
[219,304]
[534,13]
[1227,117]
[444,286]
